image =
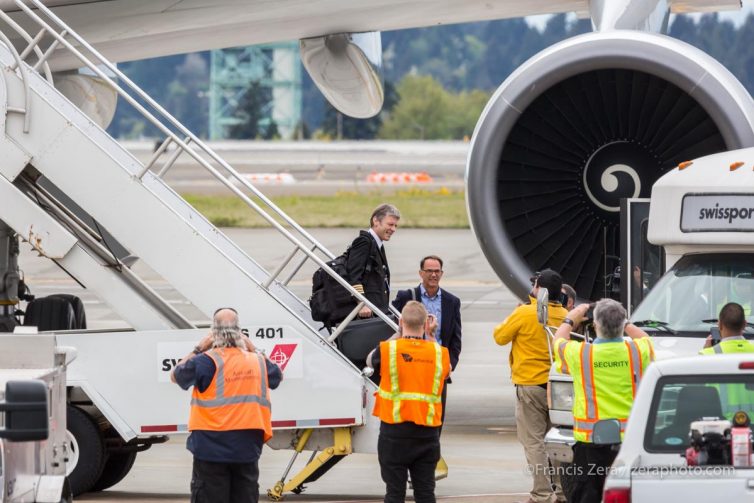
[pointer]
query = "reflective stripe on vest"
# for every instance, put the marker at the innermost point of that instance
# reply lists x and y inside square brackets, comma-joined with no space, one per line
[634,356]
[220,398]
[396,396]
[587,378]
[718,349]
[588,426]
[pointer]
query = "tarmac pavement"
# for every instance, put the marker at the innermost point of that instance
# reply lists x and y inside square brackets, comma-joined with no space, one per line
[479,443]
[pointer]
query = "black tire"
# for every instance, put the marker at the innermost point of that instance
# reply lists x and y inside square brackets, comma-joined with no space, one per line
[116,468]
[66,495]
[91,451]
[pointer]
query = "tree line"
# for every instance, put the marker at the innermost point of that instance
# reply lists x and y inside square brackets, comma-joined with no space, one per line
[437,79]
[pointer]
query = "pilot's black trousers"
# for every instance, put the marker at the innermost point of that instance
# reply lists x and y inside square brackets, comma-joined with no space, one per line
[224,482]
[590,466]
[400,456]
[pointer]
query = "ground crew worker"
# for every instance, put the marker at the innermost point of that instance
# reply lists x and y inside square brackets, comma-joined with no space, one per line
[530,368]
[606,375]
[230,411]
[732,321]
[413,369]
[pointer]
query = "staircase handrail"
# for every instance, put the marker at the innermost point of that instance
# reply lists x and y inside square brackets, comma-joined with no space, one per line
[172,137]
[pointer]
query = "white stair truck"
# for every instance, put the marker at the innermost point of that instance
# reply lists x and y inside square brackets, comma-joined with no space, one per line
[58,164]
[702,215]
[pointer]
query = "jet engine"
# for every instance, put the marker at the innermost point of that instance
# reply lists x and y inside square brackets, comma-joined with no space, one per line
[576,128]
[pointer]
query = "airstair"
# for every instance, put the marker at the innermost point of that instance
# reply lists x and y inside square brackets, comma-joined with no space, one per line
[50,147]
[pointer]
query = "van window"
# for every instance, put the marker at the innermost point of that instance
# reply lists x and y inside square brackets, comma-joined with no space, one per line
[679,400]
[688,298]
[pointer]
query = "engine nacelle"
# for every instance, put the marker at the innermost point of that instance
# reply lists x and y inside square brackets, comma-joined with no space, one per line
[576,128]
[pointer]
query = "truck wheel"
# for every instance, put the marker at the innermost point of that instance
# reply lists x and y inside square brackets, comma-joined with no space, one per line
[67,494]
[86,451]
[116,467]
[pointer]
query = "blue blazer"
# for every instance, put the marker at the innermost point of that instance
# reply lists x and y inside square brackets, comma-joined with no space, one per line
[451,319]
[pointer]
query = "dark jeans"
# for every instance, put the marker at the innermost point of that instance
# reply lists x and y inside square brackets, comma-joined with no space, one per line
[400,456]
[224,482]
[591,464]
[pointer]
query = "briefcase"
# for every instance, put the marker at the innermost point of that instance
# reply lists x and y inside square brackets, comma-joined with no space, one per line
[361,336]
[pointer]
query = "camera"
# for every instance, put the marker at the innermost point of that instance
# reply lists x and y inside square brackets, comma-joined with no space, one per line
[534,277]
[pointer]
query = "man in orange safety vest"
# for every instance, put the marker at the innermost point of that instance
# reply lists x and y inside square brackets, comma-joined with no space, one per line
[229,419]
[413,368]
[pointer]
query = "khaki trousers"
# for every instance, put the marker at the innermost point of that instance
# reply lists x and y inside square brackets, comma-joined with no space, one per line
[532,423]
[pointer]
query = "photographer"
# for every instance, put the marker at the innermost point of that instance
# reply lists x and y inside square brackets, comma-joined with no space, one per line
[230,418]
[530,368]
[731,323]
[606,374]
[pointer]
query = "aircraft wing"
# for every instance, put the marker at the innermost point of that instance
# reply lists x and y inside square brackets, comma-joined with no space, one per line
[134,29]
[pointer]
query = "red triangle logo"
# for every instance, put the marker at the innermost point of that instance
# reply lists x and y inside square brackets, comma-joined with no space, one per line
[281,354]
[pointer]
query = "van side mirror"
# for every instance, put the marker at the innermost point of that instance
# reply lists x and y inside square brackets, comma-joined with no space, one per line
[543,298]
[26,411]
[606,432]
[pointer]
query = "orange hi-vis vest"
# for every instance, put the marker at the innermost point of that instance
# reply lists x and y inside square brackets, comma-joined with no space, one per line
[413,372]
[238,398]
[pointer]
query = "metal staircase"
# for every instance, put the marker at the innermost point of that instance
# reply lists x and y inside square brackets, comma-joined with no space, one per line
[46,142]
[130,199]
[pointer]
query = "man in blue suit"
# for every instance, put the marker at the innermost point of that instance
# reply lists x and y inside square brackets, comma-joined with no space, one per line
[446,308]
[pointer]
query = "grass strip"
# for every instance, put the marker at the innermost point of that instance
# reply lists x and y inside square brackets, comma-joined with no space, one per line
[420,208]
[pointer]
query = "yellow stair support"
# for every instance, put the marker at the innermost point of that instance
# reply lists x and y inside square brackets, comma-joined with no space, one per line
[317,465]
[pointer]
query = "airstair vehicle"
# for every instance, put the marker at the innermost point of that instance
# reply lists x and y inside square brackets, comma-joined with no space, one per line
[56,162]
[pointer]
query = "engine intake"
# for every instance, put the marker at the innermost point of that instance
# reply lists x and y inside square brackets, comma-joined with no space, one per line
[579,126]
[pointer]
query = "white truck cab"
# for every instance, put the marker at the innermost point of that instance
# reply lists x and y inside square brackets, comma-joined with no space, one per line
[701,214]
[651,465]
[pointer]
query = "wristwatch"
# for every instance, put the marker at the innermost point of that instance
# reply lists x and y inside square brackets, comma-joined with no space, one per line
[197,350]
[568,321]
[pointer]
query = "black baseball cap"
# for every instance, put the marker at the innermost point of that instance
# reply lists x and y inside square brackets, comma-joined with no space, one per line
[552,281]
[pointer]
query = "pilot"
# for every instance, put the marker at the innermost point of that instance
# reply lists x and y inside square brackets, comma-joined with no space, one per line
[413,370]
[367,267]
[606,375]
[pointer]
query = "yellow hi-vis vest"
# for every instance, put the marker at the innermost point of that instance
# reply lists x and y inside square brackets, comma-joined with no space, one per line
[605,379]
[412,374]
[237,398]
[729,345]
[733,396]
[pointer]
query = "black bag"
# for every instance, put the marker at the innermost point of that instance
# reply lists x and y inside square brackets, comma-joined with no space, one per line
[330,302]
[361,336]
